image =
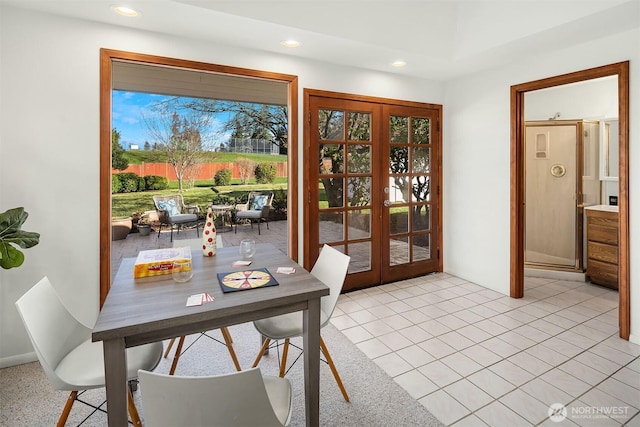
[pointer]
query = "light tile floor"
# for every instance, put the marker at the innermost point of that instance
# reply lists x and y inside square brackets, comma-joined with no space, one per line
[476,357]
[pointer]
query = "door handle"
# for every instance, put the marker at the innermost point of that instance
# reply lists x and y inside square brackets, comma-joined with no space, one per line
[387,203]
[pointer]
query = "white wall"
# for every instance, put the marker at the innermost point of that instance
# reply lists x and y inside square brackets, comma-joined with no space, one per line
[49,154]
[477,162]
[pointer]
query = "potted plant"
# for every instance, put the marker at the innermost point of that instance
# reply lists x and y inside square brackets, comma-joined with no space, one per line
[144,228]
[11,234]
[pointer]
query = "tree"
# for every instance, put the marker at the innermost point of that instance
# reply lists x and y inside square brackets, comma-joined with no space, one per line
[147,146]
[183,136]
[118,161]
[255,121]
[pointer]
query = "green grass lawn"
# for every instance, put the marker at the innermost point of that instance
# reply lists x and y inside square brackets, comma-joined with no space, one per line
[124,204]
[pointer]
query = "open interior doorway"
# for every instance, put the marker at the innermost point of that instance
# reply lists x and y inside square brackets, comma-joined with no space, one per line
[518,200]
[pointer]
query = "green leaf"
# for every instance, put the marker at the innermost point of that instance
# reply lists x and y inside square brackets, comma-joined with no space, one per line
[11,234]
[10,257]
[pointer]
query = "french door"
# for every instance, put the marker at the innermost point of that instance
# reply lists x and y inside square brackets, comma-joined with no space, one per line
[372,173]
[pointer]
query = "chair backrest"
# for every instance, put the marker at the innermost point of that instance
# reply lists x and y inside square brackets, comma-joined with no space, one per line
[260,201]
[235,399]
[331,269]
[172,204]
[52,329]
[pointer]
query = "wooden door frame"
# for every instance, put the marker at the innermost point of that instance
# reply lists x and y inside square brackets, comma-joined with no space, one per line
[309,161]
[621,70]
[107,56]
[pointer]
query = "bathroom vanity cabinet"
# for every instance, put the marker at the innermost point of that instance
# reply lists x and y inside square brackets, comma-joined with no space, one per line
[602,245]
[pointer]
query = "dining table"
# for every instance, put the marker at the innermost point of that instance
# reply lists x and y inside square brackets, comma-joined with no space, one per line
[143,310]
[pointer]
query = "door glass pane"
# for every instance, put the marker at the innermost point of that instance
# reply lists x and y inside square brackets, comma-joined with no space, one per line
[399,251]
[359,126]
[421,160]
[421,217]
[331,124]
[359,224]
[421,188]
[330,193]
[359,191]
[359,160]
[331,159]
[421,247]
[398,159]
[399,189]
[421,130]
[331,227]
[360,254]
[399,220]
[399,129]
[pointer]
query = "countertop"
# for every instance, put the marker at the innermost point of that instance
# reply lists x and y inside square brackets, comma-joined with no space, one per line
[606,208]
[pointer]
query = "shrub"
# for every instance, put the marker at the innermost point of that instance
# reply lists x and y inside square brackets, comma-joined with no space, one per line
[279,202]
[116,184]
[222,177]
[155,182]
[130,182]
[265,173]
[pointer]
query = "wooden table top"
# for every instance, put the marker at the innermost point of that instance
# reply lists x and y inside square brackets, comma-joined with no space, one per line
[154,308]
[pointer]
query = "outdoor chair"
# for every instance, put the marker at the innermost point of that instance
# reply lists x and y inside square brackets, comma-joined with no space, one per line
[256,209]
[331,269]
[70,360]
[172,211]
[245,398]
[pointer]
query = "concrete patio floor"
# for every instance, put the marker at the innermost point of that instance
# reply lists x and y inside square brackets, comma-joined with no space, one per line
[276,234]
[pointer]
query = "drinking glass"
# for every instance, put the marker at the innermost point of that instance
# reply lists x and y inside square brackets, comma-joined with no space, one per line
[181,271]
[247,249]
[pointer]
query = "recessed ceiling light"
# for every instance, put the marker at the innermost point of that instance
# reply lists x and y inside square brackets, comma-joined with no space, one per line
[125,11]
[398,63]
[290,43]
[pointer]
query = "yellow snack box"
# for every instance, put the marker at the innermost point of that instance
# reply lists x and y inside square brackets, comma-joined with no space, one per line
[155,262]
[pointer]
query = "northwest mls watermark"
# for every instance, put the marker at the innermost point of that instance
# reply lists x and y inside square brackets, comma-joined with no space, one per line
[558,412]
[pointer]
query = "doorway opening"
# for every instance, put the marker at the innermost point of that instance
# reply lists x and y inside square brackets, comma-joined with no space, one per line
[518,200]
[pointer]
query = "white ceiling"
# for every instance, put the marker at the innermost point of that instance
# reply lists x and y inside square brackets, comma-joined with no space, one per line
[438,39]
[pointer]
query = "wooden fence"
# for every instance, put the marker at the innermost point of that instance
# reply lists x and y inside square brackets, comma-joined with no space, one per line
[203,172]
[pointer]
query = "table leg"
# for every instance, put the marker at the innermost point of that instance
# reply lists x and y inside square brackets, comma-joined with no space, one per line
[115,372]
[311,342]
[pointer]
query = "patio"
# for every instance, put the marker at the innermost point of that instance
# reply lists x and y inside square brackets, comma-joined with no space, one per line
[130,246]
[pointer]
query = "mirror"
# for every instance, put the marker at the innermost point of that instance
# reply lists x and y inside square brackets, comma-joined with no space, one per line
[609,150]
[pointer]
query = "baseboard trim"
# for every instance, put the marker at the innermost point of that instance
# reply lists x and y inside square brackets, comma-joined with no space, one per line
[20,359]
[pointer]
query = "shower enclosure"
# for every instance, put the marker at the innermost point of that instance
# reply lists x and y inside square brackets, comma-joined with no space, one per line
[561,178]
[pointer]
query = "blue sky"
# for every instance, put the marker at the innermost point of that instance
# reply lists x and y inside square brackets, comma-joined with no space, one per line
[127,112]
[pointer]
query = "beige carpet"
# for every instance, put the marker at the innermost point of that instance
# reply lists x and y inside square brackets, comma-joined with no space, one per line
[27,399]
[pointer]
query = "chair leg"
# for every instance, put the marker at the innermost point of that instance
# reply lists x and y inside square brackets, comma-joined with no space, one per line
[285,353]
[325,351]
[176,356]
[265,344]
[166,352]
[229,342]
[159,229]
[67,408]
[133,411]
[258,226]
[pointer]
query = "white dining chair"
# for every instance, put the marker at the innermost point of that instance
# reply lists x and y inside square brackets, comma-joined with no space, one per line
[69,358]
[245,398]
[331,269]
